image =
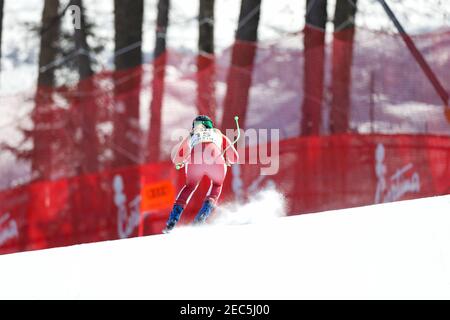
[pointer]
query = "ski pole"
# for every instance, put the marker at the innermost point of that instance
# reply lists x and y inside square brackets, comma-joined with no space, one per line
[180,165]
[236,119]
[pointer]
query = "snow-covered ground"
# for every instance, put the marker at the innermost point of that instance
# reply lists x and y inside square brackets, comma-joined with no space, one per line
[390,251]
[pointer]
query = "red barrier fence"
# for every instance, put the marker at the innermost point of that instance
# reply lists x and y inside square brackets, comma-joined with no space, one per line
[315,174]
[359,123]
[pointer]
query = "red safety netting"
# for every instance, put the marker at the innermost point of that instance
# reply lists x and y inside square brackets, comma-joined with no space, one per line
[87,163]
[315,174]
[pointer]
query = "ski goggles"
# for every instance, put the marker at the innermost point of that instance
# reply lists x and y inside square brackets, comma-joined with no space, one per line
[208,124]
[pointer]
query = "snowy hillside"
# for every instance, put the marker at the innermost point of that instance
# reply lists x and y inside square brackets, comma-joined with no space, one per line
[396,250]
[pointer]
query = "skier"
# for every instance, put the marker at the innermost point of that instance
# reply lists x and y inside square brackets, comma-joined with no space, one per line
[206,151]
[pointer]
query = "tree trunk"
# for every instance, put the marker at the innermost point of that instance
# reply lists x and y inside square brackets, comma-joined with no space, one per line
[240,72]
[159,69]
[126,139]
[128,18]
[343,37]
[42,116]
[206,99]
[314,61]
[48,47]
[85,106]
[84,60]
[239,78]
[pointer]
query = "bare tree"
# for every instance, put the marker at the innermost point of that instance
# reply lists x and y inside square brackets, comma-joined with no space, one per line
[128,18]
[314,61]
[343,38]
[243,55]
[206,99]
[159,68]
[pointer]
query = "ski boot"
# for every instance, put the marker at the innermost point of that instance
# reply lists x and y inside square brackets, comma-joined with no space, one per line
[173,218]
[205,211]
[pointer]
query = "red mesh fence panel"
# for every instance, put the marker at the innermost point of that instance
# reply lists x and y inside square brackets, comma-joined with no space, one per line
[359,123]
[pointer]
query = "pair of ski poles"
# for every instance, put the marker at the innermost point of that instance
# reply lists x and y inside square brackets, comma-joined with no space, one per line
[180,165]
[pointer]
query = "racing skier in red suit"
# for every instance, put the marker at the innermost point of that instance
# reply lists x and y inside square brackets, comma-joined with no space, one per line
[206,151]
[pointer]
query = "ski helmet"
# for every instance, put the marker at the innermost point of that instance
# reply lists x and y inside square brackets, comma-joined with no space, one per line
[205,120]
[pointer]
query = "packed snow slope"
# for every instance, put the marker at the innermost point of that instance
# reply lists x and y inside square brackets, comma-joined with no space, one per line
[388,251]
